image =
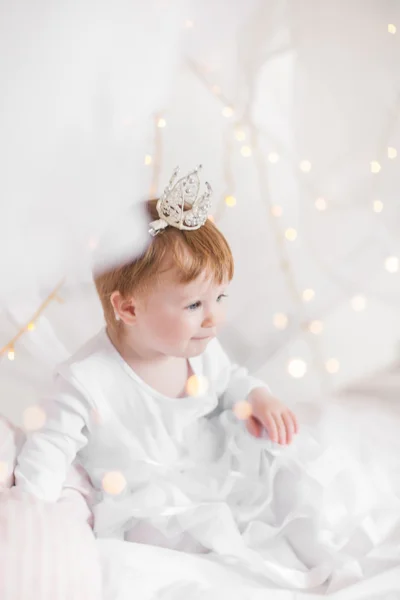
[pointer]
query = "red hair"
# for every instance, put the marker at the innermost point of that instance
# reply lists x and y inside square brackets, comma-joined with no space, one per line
[189,252]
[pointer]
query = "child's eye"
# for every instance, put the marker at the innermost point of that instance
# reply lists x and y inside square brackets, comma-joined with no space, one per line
[193,306]
[221,296]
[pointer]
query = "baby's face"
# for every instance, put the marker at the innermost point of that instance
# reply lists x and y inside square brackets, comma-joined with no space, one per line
[180,319]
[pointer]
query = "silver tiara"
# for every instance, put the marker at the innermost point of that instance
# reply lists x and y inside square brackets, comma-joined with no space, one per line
[171,205]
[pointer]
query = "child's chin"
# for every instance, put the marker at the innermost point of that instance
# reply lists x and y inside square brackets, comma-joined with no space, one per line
[197,347]
[195,353]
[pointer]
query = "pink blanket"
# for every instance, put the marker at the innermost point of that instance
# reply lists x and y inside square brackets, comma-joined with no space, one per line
[47,551]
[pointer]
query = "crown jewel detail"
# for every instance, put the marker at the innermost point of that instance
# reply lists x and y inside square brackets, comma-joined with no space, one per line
[171,206]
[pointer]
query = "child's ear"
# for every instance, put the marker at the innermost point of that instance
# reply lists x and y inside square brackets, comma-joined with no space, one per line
[124,308]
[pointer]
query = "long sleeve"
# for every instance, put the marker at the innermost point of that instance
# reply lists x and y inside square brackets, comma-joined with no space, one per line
[233,382]
[48,452]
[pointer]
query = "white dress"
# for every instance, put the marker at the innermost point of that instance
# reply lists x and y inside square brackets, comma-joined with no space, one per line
[185,474]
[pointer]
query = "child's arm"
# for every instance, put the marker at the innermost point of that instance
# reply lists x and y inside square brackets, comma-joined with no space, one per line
[48,452]
[233,382]
[235,385]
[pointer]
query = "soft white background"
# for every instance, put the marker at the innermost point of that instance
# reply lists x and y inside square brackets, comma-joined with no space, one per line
[83,85]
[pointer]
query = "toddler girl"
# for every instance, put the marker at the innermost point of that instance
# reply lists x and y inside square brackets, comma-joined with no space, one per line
[145,406]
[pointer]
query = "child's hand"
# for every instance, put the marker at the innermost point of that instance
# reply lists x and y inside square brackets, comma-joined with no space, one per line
[269,413]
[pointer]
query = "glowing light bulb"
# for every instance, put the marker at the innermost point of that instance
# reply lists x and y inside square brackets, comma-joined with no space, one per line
[246,151]
[273,157]
[308,295]
[242,410]
[291,234]
[392,264]
[392,28]
[332,365]
[321,204]
[33,418]
[375,166]
[280,321]
[228,112]
[161,123]
[297,368]
[305,166]
[96,416]
[316,327]
[377,206]
[148,159]
[196,385]
[276,210]
[31,327]
[392,152]
[240,135]
[11,354]
[92,244]
[113,483]
[230,200]
[358,303]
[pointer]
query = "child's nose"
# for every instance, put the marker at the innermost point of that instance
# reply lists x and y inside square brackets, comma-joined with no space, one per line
[209,321]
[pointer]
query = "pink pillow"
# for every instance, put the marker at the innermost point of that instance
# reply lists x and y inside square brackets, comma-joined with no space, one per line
[47,550]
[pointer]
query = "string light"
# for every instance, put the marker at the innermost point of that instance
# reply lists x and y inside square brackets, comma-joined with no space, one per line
[392,264]
[246,151]
[230,200]
[308,295]
[113,483]
[30,325]
[273,157]
[161,123]
[305,166]
[33,418]
[228,112]
[321,204]
[377,206]
[358,303]
[332,365]
[316,327]
[242,410]
[291,234]
[276,210]
[148,159]
[280,321]
[392,28]
[392,152]
[297,368]
[196,385]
